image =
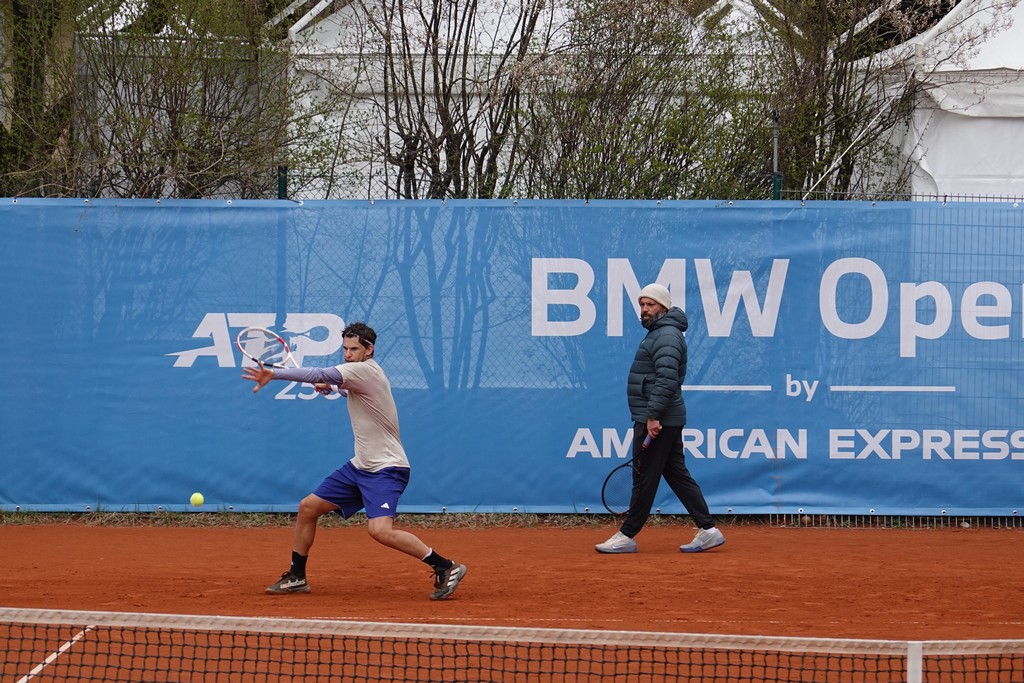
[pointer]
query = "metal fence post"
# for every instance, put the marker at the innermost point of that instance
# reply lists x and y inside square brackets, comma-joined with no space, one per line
[282,182]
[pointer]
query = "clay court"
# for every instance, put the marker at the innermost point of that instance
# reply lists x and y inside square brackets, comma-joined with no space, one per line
[876,583]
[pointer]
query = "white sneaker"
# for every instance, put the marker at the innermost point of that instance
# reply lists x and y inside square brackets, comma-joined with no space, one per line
[706,539]
[619,543]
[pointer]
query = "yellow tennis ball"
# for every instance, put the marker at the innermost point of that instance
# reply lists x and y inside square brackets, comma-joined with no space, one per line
[196,499]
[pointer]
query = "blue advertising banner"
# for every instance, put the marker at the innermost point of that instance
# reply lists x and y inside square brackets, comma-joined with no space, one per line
[844,358]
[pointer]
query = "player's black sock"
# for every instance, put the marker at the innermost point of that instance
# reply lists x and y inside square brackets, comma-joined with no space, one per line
[299,565]
[437,562]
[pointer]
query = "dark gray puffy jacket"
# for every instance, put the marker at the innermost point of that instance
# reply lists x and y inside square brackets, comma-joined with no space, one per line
[655,378]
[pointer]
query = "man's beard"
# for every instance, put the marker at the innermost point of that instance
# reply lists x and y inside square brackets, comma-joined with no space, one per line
[655,317]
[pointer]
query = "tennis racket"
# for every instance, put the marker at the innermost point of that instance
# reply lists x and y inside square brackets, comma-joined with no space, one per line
[265,348]
[617,489]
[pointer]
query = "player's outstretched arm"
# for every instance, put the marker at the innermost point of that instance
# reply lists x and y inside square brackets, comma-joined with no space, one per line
[316,376]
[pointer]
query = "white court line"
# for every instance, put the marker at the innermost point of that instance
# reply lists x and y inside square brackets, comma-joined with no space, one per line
[54,655]
[727,387]
[897,389]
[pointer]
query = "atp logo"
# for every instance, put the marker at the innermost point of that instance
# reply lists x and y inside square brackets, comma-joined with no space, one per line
[308,334]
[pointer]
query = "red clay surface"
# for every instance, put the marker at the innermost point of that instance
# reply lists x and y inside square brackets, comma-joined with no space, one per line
[936,584]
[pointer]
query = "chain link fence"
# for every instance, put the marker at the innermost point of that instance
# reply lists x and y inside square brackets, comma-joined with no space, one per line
[298,185]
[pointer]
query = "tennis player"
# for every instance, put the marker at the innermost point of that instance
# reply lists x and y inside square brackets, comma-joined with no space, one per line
[374,478]
[654,391]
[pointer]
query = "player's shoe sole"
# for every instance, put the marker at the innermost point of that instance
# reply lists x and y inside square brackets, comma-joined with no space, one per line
[288,583]
[447,580]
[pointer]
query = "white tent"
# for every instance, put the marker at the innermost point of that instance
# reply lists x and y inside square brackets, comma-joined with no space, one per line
[964,136]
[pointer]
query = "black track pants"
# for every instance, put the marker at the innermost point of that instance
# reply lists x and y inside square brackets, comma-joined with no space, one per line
[663,458]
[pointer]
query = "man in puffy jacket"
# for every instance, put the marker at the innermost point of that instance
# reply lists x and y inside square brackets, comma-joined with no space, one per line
[655,394]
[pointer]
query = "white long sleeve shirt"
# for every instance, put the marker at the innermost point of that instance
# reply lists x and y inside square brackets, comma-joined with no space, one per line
[371,408]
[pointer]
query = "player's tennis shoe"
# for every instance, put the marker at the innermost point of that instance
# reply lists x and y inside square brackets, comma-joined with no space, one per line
[288,583]
[446,580]
[619,543]
[706,539]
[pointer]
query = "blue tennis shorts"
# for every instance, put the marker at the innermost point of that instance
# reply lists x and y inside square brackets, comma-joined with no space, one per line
[353,489]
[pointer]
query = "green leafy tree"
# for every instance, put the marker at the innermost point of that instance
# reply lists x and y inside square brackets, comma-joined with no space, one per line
[171,98]
[647,100]
[36,88]
[849,79]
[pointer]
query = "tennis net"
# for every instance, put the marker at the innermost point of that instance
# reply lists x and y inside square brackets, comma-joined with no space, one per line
[39,646]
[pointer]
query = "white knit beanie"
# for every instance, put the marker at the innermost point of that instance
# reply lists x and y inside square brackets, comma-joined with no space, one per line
[657,292]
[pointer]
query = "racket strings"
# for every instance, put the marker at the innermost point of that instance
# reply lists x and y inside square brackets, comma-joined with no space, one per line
[617,491]
[264,348]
